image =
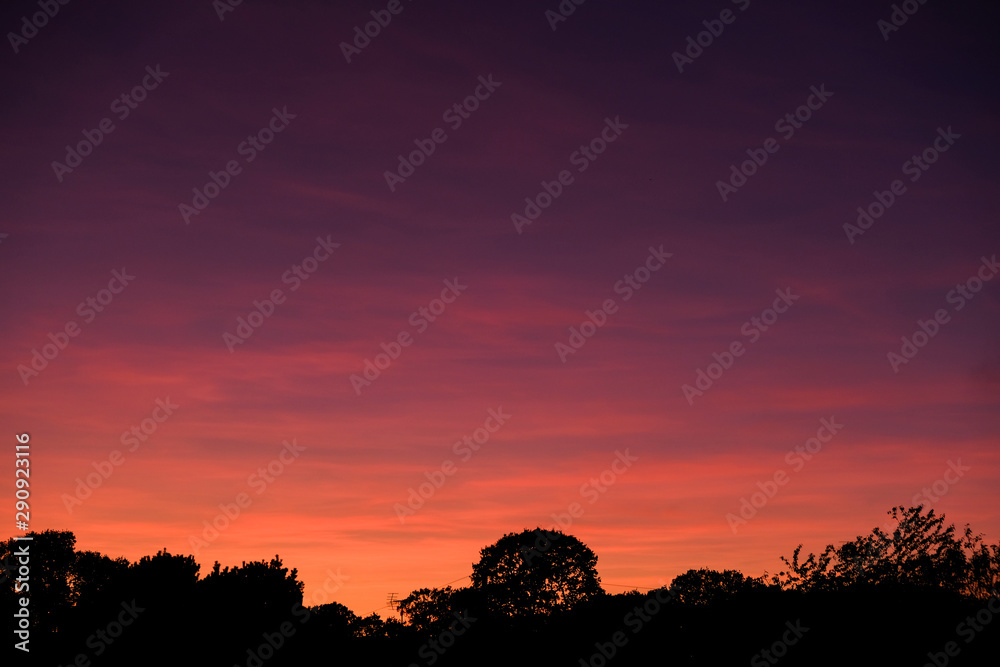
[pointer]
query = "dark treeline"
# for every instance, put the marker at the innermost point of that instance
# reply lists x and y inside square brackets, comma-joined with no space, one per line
[922,594]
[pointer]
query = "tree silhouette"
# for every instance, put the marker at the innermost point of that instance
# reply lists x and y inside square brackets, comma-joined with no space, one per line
[165,575]
[701,587]
[427,608]
[984,569]
[536,572]
[96,577]
[914,581]
[52,559]
[264,588]
[373,627]
[921,551]
[334,621]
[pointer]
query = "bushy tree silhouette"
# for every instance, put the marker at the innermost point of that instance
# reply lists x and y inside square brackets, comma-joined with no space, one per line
[921,551]
[262,587]
[52,558]
[427,608]
[373,627]
[536,572]
[535,595]
[165,575]
[334,621]
[96,576]
[701,587]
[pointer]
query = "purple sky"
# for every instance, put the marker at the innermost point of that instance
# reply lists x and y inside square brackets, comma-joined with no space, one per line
[494,346]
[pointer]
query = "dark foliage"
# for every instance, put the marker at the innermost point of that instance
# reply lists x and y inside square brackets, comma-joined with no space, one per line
[886,598]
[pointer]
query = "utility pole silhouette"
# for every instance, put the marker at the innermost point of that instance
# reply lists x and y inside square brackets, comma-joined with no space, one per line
[393,603]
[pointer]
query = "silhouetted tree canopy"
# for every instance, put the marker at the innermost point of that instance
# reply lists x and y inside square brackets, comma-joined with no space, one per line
[699,587]
[267,588]
[336,620]
[95,574]
[535,596]
[921,551]
[53,563]
[536,572]
[165,574]
[427,608]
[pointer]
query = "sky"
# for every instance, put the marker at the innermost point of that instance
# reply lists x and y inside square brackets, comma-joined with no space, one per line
[372,302]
